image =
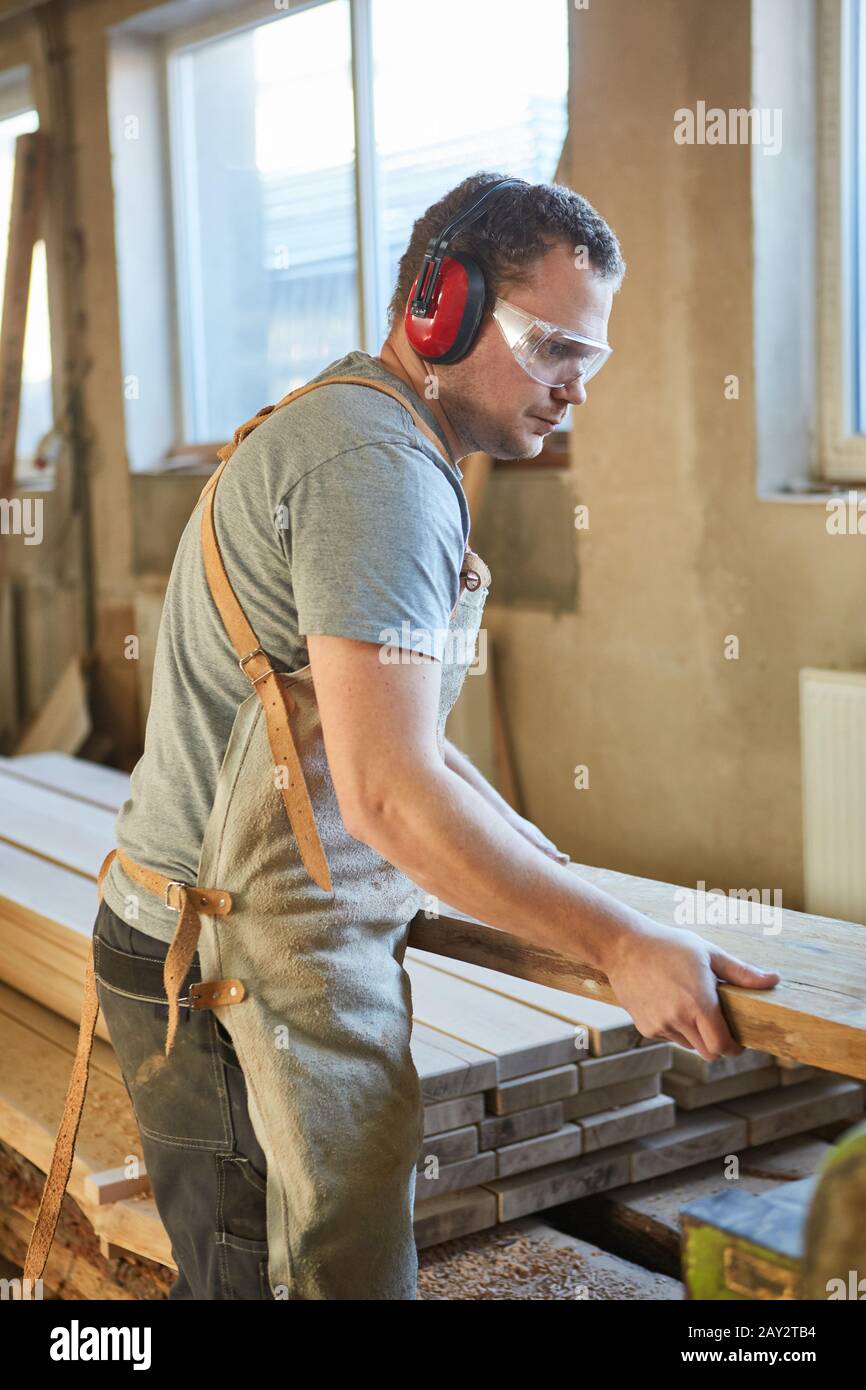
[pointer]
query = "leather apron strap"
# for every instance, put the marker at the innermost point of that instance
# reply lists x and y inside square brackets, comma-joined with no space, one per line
[255,662]
[192,901]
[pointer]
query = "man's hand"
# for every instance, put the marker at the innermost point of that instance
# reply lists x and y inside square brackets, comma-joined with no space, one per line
[667,979]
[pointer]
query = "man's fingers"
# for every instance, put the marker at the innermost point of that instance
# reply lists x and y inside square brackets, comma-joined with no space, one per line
[717,1036]
[739,972]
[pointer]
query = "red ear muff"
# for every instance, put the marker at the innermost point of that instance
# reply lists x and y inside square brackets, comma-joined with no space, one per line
[447,331]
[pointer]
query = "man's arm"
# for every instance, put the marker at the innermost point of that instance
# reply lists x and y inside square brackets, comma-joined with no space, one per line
[459,763]
[397,795]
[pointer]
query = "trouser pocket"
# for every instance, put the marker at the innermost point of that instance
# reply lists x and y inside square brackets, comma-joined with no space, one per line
[207,1170]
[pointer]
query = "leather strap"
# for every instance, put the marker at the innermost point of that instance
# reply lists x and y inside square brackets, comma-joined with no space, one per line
[248,426]
[203,995]
[254,662]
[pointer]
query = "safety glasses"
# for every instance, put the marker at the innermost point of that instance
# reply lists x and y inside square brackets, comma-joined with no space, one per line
[550,354]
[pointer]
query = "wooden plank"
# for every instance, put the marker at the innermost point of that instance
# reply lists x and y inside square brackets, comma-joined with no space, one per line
[690,1063]
[61,898]
[63,721]
[692,1139]
[527,1092]
[792,1109]
[105,787]
[691,1094]
[539,1152]
[448,1067]
[73,835]
[815,1015]
[529,1260]
[628,1122]
[524,1193]
[596,1072]
[45,1023]
[452,1114]
[608,1028]
[520,1038]
[453,1214]
[609,1097]
[495,1132]
[433,1180]
[642,1219]
[32,152]
[450,1147]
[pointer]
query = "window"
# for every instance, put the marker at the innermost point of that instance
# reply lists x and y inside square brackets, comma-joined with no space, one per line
[36,406]
[263,174]
[301,146]
[842,241]
[497,99]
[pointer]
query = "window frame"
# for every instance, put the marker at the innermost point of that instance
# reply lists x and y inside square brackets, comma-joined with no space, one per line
[373,287]
[840,455]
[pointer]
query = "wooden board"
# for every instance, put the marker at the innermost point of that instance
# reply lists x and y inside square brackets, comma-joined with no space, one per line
[815,1015]
[74,777]
[521,1039]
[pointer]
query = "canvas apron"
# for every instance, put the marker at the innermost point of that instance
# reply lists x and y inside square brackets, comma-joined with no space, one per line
[301,951]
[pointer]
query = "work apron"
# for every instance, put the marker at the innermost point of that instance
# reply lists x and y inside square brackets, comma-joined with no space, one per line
[301,951]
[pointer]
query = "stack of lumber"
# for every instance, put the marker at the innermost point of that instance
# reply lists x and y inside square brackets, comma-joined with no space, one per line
[538,1089]
[771,1096]
[533,1096]
[605,1120]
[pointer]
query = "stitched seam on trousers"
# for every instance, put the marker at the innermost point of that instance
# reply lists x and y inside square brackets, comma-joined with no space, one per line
[142,998]
[222,1254]
[176,1141]
[103,945]
[219,1080]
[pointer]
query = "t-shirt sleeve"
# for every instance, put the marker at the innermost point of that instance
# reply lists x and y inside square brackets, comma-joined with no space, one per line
[374,541]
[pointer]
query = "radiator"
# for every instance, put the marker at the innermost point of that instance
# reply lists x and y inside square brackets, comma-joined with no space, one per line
[833,759]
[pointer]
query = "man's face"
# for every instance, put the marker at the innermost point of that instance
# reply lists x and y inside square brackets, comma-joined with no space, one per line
[490,400]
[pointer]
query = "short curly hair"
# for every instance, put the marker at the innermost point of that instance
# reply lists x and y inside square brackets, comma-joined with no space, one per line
[517,227]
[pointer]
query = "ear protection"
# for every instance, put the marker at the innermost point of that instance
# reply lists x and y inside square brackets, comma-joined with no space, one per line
[446,302]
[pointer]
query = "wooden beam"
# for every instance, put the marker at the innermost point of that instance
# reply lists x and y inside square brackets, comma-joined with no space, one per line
[815,1015]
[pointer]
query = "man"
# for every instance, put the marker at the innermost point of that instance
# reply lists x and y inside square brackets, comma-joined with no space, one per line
[281,1139]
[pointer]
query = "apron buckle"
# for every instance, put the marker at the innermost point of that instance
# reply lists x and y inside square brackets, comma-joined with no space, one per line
[256,651]
[174,883]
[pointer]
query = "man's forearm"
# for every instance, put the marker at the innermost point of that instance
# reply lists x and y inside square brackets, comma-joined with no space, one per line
[444,835]
[459,763]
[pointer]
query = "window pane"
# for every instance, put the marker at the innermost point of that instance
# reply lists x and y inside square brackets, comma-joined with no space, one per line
[263,165]
[36,410]
[485,86]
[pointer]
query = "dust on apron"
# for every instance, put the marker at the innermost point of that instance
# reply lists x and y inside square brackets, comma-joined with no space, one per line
[302,962]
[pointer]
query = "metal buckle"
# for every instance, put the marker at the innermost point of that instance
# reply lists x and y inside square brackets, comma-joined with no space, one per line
[256,651]
[174,883]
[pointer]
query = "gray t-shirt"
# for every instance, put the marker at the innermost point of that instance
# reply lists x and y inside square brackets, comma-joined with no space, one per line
[335,515]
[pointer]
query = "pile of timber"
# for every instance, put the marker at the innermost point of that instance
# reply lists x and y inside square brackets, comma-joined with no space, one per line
[510,1136]
[534,1095]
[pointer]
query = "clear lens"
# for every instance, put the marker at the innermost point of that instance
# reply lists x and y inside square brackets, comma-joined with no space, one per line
[553,357]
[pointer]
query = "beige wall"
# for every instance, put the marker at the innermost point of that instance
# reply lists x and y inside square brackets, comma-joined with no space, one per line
[694,760]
